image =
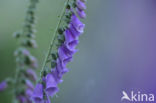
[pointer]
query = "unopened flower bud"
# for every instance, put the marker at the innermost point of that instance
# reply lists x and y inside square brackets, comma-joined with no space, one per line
[16,34]
[31,73]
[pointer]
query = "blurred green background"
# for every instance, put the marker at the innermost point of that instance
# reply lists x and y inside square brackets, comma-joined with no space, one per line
[116,51]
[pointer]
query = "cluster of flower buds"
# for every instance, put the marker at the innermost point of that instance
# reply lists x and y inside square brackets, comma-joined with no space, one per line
[67,40]
[26,62]
[80,8]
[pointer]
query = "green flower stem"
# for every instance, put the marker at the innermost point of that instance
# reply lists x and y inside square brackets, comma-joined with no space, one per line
[54,36]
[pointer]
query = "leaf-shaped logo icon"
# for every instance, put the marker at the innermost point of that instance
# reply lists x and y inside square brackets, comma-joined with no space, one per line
[125,96]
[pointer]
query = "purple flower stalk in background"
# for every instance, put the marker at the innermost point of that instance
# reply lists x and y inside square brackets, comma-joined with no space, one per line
[24,77]
[26,62]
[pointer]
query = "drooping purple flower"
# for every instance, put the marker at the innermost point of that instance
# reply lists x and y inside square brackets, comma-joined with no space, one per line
[3,85]
[81,13]
[32,74]
[72,45]
[81,5]
[70,41]
[37,95]
[51,85]
[68,36]
[78,25]
[61,67]
[65,53]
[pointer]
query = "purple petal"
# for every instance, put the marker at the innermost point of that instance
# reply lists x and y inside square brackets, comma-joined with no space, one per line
[72,45]
[74,32]
[51,85]
[78,25]
[69,37]
[65,53]
[65,61]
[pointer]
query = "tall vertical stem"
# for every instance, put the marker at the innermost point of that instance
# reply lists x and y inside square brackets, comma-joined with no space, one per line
[54,36]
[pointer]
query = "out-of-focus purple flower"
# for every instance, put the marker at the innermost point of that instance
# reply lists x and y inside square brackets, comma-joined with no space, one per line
[32,74]
[81,5]
[33,61]
[21,99]
[51,85]
[37,95]
[29,84]
[25,52]
[81,13]
[78,25]
[3,85]
[34,65]
[28,92]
